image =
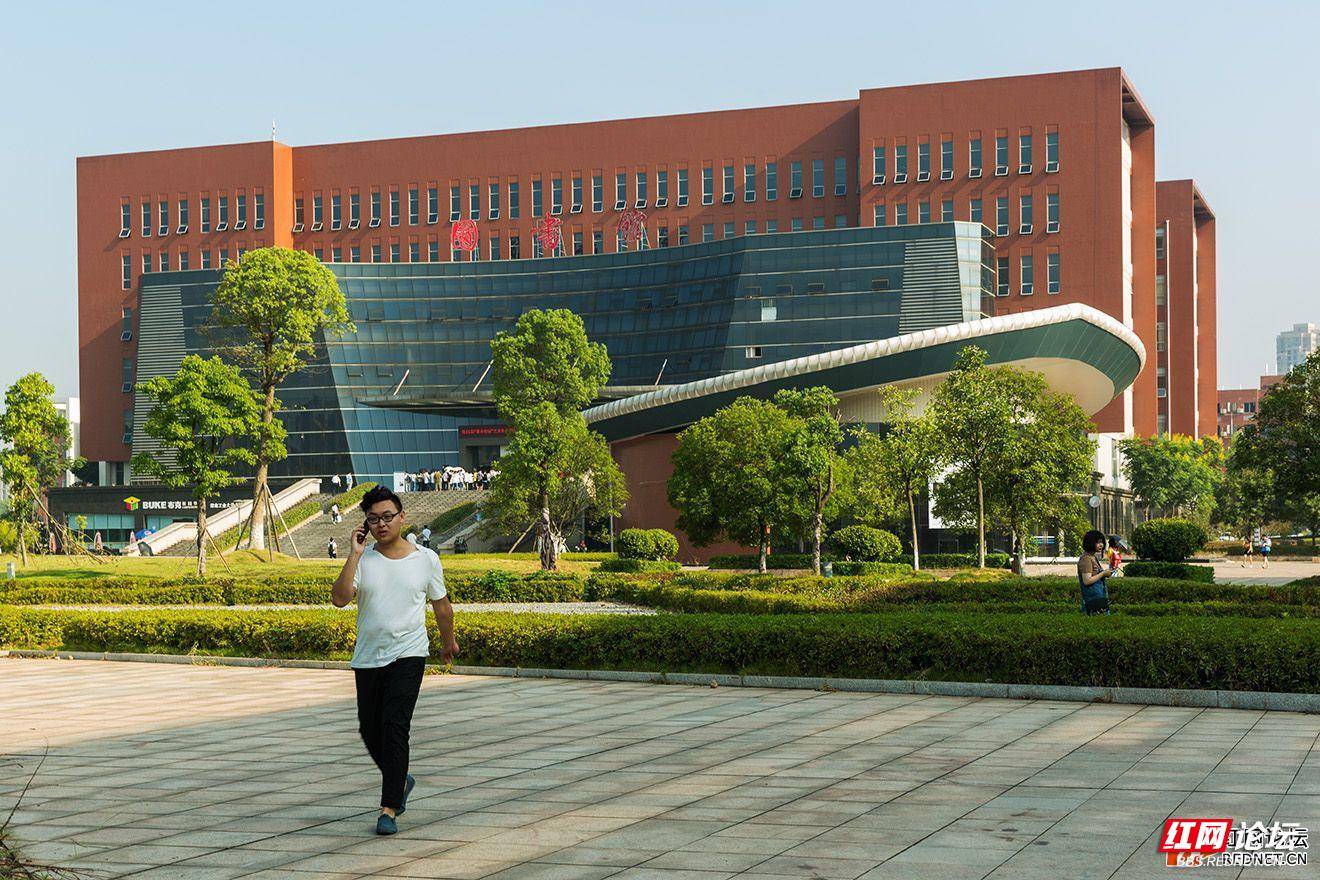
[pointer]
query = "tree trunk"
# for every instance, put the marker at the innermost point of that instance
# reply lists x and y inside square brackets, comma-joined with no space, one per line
[763,548]
[549,552]
[257,539]
[916,551]
[817,528]
[980,522]
[22,541]
[201,538]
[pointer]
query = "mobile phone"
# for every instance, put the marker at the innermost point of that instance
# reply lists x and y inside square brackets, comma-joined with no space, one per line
[362,531]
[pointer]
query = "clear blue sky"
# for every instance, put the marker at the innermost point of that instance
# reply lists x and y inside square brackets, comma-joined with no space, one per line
[1232,87]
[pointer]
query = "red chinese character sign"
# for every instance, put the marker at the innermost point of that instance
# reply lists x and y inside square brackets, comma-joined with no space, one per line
[464,236]
[632,225]
[549,232]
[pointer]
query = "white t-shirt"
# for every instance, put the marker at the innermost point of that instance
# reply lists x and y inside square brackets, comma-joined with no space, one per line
[391,600]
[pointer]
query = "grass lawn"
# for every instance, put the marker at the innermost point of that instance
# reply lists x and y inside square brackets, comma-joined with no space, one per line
[247,563]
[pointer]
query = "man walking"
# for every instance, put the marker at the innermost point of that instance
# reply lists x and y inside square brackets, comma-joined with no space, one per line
[392,580]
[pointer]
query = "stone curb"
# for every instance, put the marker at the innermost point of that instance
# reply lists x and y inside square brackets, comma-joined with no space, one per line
[1199,699]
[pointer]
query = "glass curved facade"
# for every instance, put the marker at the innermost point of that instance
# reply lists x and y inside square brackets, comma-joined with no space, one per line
[666,316]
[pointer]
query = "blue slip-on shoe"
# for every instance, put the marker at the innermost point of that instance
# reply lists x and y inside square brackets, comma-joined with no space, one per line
[386,824]
[407,790]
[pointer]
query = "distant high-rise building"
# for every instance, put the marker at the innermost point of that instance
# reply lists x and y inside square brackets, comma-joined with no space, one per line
[1296,345]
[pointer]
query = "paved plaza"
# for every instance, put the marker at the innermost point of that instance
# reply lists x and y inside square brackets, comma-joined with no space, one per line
[193,772]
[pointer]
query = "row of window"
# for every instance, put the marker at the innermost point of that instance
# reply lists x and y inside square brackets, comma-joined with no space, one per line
[1026,274]
[156,216]
[881,154]
[1026,213]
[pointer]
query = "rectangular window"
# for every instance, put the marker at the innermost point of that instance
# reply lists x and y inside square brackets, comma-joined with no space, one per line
[877,165]
[771,181]
[795,180]
[514,206]
[165,217]
[923,160]
[749,227]
[620,191]
[515,247]
[414,252]
[597,241]
[597,194]
[1161,290]
[259,211]
[146,219]
[662,236]
[537,200]
[840,221]
[795,224]
[1027,269]
[394,252]
[817,222]
[146,262]
[126,220]
[433,205]
[1024,154]
[474,203]
[974,157]
[1052,212]
[575,195]
[494,247]
[771,226]
[319,253]
[336,254]
[336,212]
[354,210]
[946,160]
[455,204]
[923,211]
[374,211]
[577,243]
[682,187]
[840,175]
[661,189]
[1026,214]
[433,251]
[728,184]
[206,258]
[1161,336]
[414,206]
[183,213]
[126,271]
[975,210]
[1051,151]
[394,207]
[375,253]
[818,178]
[126,313]
[164,261]
[556,195]
[222,212]
[946,211]
[355,254]
[708,186]
[708,232]
[900,163]
[683,234]
[493,201]
[1160,251]
[879,215]
[184,265]
[1052,268]
[1002,281]
[1001,215]
[1001,156]
[298,214]
[728,229]
[318,211]
[768,310]
[620,243]
[752,352]
[640,190]
[901,214]
[749,181]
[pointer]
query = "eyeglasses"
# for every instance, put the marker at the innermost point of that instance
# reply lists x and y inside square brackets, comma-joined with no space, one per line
[378,518]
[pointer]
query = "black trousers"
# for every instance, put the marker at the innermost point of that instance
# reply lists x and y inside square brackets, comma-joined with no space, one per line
[386,697]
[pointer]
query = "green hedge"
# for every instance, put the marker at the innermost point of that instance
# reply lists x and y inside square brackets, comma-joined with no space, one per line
[649,544]
[1168,540]
[777,561]
[865,543]
[1117,651]
[957,560]
[636,566]
[1182,571]
[891,569]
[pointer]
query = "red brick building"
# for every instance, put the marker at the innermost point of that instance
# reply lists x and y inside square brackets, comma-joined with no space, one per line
[1186,362]
[1060,165]
[1237,407]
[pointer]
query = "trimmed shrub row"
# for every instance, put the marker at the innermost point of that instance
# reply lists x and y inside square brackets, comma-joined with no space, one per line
[1115,651]
[777,561]
[886,569]
[636,566]
[1183,571]
[649,544]
[957,560]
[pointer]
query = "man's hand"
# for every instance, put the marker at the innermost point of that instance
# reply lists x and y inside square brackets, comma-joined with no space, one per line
[357,542]
[449,651]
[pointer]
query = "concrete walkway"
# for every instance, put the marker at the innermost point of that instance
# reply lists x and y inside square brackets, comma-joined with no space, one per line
[192,772]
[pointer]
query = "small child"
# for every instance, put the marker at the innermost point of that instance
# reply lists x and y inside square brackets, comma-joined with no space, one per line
[1116,555]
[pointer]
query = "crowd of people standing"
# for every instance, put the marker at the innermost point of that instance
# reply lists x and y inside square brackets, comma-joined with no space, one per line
[452,478]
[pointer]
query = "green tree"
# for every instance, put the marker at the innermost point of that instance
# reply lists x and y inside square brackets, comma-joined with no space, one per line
[731,472]
[1244,499]
[812,458]
[545,372]
[201,414]
[1285,439]
[896,466]
[973,415]
[34,450]
[271,309]
[1175,473]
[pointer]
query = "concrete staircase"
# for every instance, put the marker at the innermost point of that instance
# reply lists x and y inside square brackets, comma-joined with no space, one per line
[422,507]
[180,538]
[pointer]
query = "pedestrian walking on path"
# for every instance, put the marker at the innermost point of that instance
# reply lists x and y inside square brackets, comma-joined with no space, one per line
[1092,574]
[392,580]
